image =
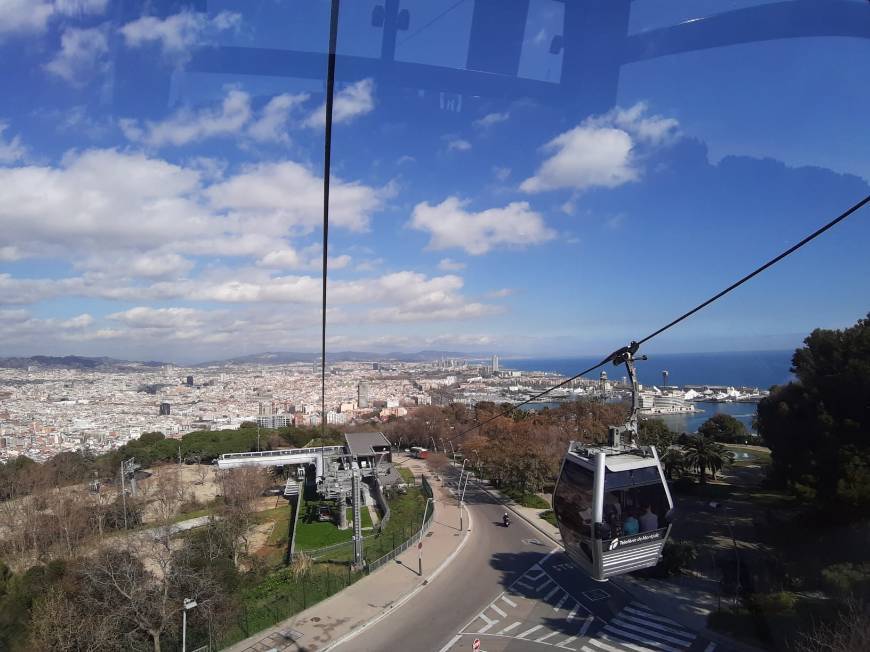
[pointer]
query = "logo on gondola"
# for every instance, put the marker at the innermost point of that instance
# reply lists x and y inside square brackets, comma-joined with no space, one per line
[614,544]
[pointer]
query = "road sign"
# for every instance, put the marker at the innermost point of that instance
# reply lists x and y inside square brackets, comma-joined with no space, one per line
[476,645]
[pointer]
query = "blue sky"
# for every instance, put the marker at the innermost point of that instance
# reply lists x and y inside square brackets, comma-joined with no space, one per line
[161,177]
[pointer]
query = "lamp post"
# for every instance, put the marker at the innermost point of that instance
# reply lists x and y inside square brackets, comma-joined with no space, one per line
[452,453]
[420,544]
[461,471]
[716,505]
[188,604]
[434,445]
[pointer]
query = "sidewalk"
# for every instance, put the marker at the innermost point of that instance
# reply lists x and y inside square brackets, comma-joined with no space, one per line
[328,623]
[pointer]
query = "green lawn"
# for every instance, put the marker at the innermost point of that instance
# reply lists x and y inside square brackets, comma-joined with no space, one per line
[549,516]
[526,499]
[407,474]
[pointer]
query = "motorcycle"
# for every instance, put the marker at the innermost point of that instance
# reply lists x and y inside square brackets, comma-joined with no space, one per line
[506,520]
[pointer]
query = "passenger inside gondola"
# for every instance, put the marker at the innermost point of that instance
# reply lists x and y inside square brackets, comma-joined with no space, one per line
[649,520]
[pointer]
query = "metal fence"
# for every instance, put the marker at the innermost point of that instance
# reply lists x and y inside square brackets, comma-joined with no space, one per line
[417,536]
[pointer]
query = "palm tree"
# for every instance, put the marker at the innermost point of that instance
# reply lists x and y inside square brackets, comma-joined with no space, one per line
[673,460]
[702,453]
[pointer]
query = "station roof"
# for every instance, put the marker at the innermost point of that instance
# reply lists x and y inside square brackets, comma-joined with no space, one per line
[362,444]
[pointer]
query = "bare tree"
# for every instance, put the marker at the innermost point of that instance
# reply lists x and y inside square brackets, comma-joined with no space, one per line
[240,488]
[60,624]
[850,632]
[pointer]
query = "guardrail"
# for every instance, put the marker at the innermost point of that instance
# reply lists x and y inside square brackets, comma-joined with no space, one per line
[283,452]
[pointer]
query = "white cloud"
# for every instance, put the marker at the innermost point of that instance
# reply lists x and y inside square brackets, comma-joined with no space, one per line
[32,16]
[81,55]
[501,173]
[451,225]
[272,123]
[285,258]
[188,126]
[11,150]
[350,102]
[81,321]
[491,119]
[144,316]
[288,195]
[177,33]
[135,213]
[601,151]
[502,293]
[458,145]
[405,159]
[450,265]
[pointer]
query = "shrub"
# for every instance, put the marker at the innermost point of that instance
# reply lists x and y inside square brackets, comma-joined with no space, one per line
[774,603]
[676,556]
[847,578]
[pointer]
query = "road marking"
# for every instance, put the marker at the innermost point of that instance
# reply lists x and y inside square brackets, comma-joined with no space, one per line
[489,621]
[524,585]
[510,627]
[509,601]
[621,635]
[486,627]
[497,610]
[560,603]
[618,621]
[604,646]
[710,647]
[529,631]
[451,643]
[547,583]
[565,643]
[573,613]
[545,637]
[589,620]
[646,613]
[553,592]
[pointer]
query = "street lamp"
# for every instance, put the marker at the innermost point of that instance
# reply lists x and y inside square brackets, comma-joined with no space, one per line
[420,544]
[188,604]
[452,452]
[434,445]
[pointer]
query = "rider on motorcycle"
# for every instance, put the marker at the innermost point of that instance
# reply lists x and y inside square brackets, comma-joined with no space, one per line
[506,519]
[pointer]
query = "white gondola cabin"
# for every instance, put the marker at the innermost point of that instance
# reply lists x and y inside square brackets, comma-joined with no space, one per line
[612,503]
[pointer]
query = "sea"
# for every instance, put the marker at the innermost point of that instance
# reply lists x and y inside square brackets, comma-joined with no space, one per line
[761,369]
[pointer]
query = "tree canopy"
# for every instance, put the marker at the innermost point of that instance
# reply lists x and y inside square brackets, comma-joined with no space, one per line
[818,426]
[724,428]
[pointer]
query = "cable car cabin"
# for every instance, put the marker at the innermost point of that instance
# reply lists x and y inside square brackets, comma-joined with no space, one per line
[613,507]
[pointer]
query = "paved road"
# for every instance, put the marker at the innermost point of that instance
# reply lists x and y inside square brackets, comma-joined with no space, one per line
[512,589]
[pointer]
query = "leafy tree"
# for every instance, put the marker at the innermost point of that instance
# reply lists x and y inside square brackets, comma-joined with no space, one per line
[674,461]
[655,432]
[724,428]
[818,427]
[702,453]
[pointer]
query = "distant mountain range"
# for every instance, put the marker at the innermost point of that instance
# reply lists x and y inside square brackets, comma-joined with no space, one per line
[286,357]
[102,363]
[72,362]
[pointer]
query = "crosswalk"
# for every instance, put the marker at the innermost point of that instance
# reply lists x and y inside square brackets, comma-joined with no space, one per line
[506,616]
[637,628]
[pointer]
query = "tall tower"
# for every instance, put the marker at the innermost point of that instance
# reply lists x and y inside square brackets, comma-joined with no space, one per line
[665,378]
[362,398]
[495,363]
[602,382]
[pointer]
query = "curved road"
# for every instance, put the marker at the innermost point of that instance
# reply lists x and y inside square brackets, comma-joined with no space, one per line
[514,590]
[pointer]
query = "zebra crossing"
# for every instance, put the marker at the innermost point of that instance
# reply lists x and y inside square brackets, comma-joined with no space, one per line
[637,628]
[507,615]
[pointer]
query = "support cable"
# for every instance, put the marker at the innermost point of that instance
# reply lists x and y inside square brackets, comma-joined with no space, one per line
[327,155]
[617,355]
